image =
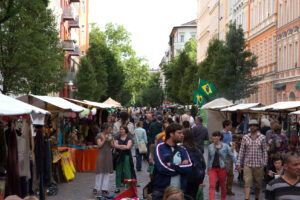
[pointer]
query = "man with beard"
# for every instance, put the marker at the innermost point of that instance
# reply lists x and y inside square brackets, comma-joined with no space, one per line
[172,163]
[253,153]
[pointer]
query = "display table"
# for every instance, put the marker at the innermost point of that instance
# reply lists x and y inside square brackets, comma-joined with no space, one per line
[83,159]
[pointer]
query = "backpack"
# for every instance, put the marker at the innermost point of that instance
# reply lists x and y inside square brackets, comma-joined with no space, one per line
[197,174]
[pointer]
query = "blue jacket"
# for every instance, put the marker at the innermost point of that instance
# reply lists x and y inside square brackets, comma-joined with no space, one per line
[163,173]
[223,152]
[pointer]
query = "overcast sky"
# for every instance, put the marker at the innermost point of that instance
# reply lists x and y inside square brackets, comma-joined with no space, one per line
[149,21]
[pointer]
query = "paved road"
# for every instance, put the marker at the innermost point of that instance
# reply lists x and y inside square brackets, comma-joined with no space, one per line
[81,187]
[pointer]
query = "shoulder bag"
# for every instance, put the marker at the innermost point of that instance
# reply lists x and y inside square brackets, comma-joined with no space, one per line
[141,145]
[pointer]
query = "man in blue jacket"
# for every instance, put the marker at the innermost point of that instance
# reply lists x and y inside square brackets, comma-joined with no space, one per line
[172,163]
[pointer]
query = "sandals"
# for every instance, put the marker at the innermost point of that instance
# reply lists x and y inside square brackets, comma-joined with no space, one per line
[95,192]
[117,190]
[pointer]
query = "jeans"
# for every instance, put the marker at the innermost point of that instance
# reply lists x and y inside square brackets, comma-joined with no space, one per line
[214,175]
[139,158]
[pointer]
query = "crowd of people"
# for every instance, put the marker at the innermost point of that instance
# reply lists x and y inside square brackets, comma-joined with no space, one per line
[173,146]
[174,151]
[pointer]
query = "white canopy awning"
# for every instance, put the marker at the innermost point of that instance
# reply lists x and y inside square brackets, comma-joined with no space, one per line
[10,106]
[243,106]
[217,104]
[58,102]
[295,113]
[100,105]
[286,105]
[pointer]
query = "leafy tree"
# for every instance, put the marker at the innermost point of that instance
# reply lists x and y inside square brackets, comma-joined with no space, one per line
[229,66]
[181,75]
[30,52]
[152,94]
[86,81]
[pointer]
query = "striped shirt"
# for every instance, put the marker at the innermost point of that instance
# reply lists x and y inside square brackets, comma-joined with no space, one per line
[279,189]
[253,152]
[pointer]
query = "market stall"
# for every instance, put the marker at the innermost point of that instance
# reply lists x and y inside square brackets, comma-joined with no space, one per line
[213,115]
[17,140]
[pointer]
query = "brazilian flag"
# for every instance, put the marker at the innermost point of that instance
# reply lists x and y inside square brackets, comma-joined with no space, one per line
[198,98]
[206,88]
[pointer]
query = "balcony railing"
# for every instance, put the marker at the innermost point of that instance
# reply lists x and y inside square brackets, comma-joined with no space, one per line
[74,1]
[76,52]
[68,13]
[68,45]
[74,23]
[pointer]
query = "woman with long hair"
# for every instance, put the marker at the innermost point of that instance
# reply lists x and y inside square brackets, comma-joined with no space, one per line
[217,153]
[196,177]
[123,143]
[104,165]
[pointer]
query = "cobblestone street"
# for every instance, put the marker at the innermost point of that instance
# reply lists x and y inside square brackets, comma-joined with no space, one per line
[82,186]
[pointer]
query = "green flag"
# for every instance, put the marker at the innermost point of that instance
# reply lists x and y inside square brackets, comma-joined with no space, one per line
[206,88]
[198,98]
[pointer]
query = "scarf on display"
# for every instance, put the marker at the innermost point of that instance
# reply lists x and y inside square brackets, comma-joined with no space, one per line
[13,181]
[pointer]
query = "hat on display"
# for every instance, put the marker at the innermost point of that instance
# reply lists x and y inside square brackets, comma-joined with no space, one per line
[253,122]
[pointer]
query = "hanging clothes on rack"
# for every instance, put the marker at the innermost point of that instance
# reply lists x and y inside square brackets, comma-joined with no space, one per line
[12,186]
[24,158]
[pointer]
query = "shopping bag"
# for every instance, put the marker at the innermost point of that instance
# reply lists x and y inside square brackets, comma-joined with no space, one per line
[142,148]
[200,194]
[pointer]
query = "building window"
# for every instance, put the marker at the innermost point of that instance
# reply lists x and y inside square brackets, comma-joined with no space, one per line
[285,13]
[264,9]
[259,15]
[279,59]
[284,65]
[291,10]
[273,48]
[181,38]
[296,55]
[82,53]
[268,94]
[283,96]
[290,62]
[264,53]
[278,97]
[269,7]
[268,51]
[273,7]
[279,15]
[296,9]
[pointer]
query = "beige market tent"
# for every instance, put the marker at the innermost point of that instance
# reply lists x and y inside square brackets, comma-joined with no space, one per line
[112,102]
[214,117]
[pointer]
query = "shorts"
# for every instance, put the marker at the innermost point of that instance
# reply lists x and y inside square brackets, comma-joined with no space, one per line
[256,173]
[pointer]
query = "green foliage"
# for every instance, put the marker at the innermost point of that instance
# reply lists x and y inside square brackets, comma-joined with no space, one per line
[181,75]
[30,52]
[228,66]
[152,94]
[119,73]
[86,81]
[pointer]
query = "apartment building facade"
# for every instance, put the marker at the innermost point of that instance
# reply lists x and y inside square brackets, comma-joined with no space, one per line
[287,83]
[72,23]
[262,43]
[177,39]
